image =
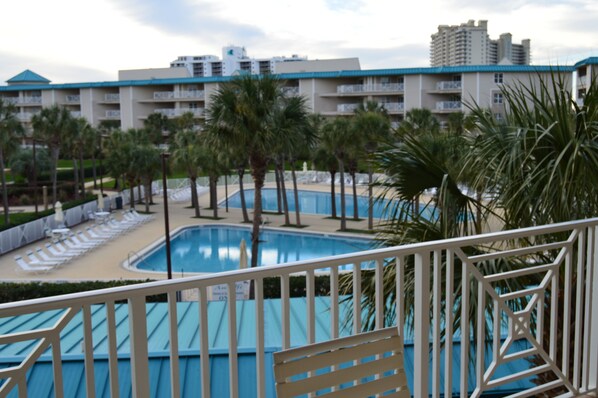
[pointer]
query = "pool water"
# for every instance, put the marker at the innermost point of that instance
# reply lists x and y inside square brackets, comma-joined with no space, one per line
[311,202]
[216,248]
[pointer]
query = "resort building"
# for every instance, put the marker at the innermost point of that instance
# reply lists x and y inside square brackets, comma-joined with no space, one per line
[469,44]
[234,60]
[331,88]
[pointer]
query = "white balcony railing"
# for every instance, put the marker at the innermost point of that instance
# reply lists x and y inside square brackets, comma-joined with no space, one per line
[346,107]
[450,85]
[11,100]
[30,100]
[394,106]
[190,94]
[362,88]
[113,114]
[537,288]
[448,105]
[112,97]
[76,114]
[73,99]
[174,112]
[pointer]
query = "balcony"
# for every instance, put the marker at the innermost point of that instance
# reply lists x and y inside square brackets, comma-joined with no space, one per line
[113,114]
[112,97]
[177,95]
[370,88]
[76,114]
[113,340]
[175,112]
[346,108]
[393,106]
[448,86]
[73,99]
[448,106]
[25,116]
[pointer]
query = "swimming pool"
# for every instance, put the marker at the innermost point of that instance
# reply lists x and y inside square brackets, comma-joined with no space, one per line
[311,202]
[216,248]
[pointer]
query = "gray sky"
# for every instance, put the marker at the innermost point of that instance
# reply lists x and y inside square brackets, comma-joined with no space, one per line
[81,41]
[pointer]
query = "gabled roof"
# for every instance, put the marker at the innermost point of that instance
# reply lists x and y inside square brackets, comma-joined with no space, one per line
[587,61]
[28,76]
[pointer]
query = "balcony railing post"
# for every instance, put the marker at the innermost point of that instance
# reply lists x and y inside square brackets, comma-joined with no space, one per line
[421,323]
[593,334]
[139,352]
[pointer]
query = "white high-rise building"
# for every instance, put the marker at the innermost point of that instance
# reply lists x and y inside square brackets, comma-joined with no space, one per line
[469,44]
[234,60]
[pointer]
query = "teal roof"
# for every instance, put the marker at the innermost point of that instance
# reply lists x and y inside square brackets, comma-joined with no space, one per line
[587,61]
[71,341]
[309,75]
[28,76]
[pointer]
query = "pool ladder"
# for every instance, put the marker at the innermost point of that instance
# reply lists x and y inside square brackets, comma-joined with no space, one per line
[134,254]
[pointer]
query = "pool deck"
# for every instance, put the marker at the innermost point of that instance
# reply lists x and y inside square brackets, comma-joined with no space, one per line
[105,262]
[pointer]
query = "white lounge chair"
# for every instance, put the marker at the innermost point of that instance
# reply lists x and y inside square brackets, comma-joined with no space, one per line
[59,252]
[45,257]
[96,233]
[33,259]
[87,239]
[364,365]
[32,268]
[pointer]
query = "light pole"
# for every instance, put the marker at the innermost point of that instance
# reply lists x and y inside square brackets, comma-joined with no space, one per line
[165,156]
[34,177]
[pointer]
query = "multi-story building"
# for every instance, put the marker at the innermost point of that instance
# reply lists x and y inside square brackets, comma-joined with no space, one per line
[172,92]
[469,44]
[234,60]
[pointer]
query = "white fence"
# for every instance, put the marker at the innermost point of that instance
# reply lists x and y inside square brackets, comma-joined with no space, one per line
[538,285]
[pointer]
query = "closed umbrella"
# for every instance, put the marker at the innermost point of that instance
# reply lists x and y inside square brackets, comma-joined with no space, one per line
[243,255]
[58,214]
[100,201]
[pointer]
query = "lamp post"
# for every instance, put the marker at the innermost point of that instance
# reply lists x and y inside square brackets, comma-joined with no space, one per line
[34,177]
[165,156]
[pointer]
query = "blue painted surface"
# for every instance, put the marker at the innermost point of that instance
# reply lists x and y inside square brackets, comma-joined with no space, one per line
[40,377]
[28,76]
[216,248]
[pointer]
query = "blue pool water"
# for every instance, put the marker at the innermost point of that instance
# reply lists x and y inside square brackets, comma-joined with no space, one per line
[215,248]
[311,202]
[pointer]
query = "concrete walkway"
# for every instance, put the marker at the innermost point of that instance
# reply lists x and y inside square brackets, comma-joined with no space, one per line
[105,262]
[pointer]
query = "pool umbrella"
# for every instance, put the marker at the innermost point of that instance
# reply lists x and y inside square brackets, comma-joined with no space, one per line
[100,201]
[58,214]
[243,254]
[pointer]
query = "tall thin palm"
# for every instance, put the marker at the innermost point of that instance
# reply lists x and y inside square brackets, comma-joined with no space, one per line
[242,115]
[186,151]
[10,132]
[52,126]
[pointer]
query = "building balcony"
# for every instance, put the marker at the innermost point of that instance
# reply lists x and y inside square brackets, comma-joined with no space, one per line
[449,86]
[112,97]
[175,112]
[179,95]
[112,114]
[540,303]
[346,108]
[370,88]
[25,116]
[73,99]
[76,114]
[450,106]
[36,100]
[394,106]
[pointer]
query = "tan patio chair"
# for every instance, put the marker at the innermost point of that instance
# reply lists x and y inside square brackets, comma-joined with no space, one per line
[356,366]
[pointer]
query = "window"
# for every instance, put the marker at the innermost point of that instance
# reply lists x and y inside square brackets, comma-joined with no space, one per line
[498,78]
[498,117]
[497,98]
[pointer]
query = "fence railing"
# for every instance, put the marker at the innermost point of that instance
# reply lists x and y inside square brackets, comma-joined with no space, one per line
[489,300]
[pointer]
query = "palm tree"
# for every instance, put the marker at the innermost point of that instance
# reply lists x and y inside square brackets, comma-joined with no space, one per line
[52,126]
[186,151]
[146,158]
[373,124]
[156,126]
[10,133]
[338,137]
[241,115]
[325,160]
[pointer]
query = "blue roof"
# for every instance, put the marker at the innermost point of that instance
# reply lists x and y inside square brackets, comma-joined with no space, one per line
[28,76]
[587,61]
[312,75]
[40,377]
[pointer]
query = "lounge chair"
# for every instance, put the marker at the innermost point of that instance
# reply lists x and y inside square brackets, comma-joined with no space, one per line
[363,365]
[96,233]
[33,259]
[45,257]
[87,239]
[31,267]
[62,251]
[73,243]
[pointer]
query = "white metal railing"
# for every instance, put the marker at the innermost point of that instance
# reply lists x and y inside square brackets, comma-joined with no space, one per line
[76,114]
[537,285]
[394,106]
[448,85]
[290,91]
[361,88]
[174,112]
[31,100]
[25,116]
[346,107]
[112,97]
[113,114]
[73,99]
[166,95]
[11,100]
[448,105]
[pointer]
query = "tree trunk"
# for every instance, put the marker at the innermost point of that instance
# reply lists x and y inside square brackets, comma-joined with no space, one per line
[93,169]
[370,199]
[55,153]
[333,195]
[194,197]
[296,195]
[4,189]
[82,172]
[132,191]
[258,171]
[341,171]
[241,173]
[147,188]
[139,191]
[76,176]
[355,202]
[283,190]
[278,189]
[214,195]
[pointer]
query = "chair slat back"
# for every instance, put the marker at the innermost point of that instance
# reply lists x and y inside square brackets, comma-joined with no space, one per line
[355,366]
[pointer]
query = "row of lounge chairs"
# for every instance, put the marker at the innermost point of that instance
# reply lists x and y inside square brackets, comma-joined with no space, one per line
[60,252]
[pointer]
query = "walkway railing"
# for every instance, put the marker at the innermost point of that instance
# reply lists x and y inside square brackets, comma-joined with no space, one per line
[517,295]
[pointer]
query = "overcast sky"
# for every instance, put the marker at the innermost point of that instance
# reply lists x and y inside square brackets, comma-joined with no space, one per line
[82,41]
